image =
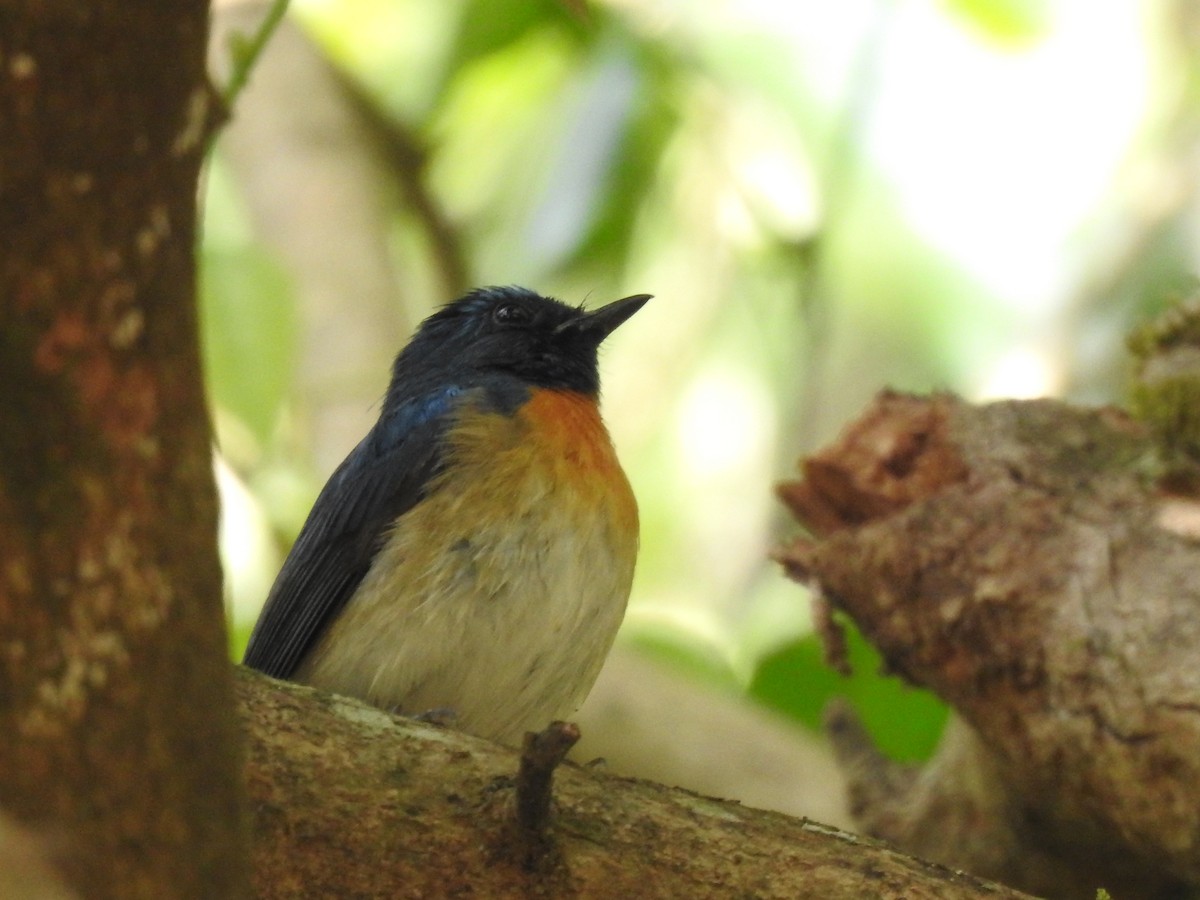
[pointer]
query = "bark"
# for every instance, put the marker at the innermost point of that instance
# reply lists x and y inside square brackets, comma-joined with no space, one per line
[352,802]
[1018,560]
[117,731]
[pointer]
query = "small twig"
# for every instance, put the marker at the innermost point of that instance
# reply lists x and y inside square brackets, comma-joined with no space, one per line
[404,152]
[246,51]
[540,756]
[528,840]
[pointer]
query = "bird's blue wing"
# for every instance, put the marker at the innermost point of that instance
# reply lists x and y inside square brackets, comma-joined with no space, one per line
[381,479]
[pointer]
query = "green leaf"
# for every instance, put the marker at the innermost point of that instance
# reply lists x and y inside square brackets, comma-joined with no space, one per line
[905,723]
[490,25]
[248,330]
[1013,22]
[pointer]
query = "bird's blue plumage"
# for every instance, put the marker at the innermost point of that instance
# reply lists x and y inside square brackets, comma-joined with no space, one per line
[398,424]
[383,477]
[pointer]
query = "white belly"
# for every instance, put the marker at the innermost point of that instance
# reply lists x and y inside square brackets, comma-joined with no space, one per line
[508,621]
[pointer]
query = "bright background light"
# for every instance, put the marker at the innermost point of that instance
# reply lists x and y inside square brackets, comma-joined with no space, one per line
[825,199]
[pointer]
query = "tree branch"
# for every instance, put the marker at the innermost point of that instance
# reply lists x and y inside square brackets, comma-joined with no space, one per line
[350,801]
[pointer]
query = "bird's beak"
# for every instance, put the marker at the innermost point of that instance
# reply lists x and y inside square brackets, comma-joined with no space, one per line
[600,323]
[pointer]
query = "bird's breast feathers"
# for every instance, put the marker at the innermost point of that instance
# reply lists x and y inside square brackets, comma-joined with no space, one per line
[499,594]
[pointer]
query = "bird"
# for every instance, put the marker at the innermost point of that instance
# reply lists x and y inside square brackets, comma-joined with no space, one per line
[474,553]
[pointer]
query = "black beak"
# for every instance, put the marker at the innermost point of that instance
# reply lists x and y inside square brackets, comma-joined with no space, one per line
[598,324]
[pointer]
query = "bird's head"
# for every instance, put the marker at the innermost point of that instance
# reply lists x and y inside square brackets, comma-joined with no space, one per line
[512,331]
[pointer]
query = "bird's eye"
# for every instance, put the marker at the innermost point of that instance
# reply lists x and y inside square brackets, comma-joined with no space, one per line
[511,314]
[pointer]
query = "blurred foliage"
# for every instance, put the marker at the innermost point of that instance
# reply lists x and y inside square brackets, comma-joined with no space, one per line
[825,198]
[239,637]
[1014,21]
[699,659]
[246,295]
[796,681]
[490,26]
[247,316]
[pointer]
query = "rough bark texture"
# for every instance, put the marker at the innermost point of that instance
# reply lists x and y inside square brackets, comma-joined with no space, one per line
[117,731]
[1016,559]
[351,802]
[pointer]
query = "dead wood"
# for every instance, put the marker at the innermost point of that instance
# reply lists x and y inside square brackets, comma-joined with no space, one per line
[1018,560]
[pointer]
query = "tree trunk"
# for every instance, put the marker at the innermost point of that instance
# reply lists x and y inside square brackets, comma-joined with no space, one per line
[117,734]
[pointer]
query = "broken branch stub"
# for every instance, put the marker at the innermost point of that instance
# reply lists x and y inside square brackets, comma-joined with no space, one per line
[1013,559]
